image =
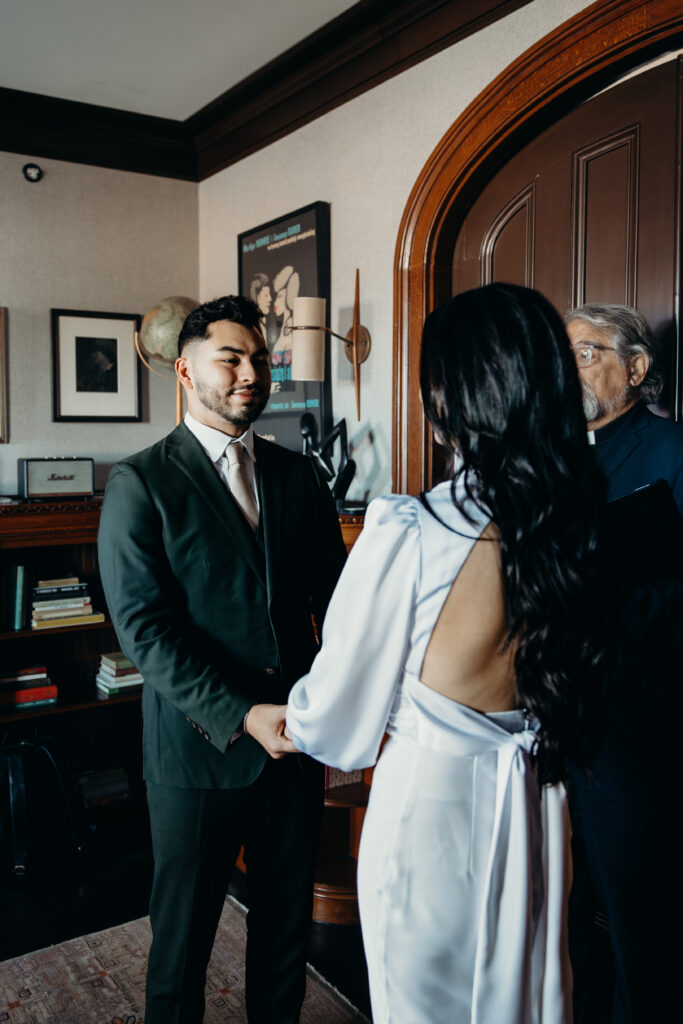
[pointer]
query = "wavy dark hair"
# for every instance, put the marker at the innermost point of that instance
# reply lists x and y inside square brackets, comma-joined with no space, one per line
[501,391]
[235,308]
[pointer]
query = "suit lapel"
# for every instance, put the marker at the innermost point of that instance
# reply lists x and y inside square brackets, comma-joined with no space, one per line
[272,486]
[625,441]
[188,455]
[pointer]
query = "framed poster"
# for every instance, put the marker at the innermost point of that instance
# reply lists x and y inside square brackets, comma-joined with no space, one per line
[95,367]
[279,261]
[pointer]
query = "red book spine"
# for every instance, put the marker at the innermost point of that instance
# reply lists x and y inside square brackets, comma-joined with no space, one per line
[26,696]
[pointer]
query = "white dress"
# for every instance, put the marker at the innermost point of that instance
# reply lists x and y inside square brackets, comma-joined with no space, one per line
[464,870]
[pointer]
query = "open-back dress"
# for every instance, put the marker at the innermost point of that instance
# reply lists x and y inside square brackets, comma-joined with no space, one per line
[464,868]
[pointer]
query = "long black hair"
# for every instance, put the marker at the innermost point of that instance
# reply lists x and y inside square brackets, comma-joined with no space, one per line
[501,391]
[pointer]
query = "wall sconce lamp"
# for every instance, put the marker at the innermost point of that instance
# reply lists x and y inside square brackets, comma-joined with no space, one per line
[308,345]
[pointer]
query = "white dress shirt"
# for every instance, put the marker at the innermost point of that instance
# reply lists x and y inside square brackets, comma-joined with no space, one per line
[214,442]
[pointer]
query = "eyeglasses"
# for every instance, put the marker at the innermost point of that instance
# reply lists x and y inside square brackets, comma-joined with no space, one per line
[584,353]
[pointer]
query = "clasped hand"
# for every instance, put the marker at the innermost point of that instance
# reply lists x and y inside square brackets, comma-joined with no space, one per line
[266,723]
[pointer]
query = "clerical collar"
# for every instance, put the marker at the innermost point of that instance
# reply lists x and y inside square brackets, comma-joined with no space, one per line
[606,433]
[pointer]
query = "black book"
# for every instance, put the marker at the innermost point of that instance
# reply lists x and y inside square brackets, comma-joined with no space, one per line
[645,535]
[68,590]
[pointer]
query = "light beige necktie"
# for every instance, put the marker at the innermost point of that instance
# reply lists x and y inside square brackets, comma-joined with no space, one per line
[240,486]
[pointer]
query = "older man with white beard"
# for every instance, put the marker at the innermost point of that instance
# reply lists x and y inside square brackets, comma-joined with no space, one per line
[625,862]
[615,354]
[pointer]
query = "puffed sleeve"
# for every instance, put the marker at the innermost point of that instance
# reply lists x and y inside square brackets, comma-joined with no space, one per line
[339,711]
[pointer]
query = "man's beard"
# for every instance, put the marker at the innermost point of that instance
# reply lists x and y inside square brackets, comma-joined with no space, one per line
[595,408]
[224,406]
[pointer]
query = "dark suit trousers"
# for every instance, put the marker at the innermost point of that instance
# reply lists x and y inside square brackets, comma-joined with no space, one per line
[625,863]
[196,836]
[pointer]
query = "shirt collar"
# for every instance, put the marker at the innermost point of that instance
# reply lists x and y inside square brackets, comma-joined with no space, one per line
[606,433]
[214,442]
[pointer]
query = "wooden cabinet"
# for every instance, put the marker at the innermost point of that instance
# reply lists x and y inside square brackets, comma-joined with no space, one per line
[334,895]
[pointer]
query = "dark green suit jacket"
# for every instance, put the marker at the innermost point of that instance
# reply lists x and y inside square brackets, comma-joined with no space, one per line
[214,618]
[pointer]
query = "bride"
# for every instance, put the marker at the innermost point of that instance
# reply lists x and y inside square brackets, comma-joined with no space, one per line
[466,626]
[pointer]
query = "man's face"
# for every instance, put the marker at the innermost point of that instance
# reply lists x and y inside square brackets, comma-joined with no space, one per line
[608,385]
[226,377]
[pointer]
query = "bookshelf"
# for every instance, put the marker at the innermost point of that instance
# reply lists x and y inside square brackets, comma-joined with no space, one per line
[50,538]
[81,731]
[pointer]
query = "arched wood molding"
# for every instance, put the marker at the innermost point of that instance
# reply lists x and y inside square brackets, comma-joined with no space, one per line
[562,69]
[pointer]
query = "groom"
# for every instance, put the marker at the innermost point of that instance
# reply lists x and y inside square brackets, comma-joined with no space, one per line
[215,548]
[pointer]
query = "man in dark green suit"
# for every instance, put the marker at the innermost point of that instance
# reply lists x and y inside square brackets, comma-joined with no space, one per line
[215,549]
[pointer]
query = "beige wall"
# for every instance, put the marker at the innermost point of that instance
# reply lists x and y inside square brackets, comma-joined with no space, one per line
[93,239]
[364,159]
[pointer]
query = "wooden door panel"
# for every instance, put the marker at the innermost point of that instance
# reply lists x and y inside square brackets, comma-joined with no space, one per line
[507,250]
[605,219]
[604,181]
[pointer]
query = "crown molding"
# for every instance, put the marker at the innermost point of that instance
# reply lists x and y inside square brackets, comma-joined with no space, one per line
[366,45]
[102,136]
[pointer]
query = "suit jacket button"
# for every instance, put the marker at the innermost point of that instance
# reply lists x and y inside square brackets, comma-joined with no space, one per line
[270,670]
[187,718]
[206,736]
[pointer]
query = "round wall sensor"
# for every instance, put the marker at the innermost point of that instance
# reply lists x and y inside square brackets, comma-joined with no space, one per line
[32,172]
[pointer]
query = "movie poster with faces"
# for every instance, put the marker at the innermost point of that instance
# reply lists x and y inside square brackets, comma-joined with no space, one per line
[277,262]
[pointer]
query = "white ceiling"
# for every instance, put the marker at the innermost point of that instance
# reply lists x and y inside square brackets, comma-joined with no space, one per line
[163,57]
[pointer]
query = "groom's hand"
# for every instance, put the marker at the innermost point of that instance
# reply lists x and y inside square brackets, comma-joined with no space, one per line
[266,723]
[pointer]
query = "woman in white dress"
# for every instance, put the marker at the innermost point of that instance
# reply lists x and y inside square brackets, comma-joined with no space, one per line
[463,626]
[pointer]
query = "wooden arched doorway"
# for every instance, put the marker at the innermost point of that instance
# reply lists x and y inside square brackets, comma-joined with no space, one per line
[580,57]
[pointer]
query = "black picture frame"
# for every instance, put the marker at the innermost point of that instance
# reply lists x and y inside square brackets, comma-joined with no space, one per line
[290,256]
[96,374]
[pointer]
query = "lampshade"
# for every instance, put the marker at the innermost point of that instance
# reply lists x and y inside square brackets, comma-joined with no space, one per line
[308,345]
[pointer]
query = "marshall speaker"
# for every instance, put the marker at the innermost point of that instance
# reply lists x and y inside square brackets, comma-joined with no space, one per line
[56,477]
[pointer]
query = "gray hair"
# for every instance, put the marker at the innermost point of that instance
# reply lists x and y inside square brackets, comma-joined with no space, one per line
[630,335]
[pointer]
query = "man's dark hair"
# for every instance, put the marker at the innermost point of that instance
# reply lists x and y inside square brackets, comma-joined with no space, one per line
[235,308]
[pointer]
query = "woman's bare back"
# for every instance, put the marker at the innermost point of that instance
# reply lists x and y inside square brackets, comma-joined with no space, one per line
[465,659]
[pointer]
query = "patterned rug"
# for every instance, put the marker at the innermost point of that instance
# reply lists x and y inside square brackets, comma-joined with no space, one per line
[100,979]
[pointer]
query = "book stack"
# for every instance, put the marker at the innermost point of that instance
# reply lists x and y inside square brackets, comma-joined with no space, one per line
[64,601]
[26,688]
[117,675]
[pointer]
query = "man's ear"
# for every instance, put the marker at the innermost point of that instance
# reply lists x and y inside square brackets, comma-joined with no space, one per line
[640,364]
[184,373]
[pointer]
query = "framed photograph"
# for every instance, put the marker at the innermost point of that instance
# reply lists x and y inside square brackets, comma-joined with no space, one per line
[277,262]
[95,367]
[4,382]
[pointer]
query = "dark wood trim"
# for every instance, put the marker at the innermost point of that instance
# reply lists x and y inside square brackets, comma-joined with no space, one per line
[42,126]
[565,67]
[677,368]
[366,45]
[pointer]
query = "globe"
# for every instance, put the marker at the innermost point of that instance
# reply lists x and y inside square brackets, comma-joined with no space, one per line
[161,326]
